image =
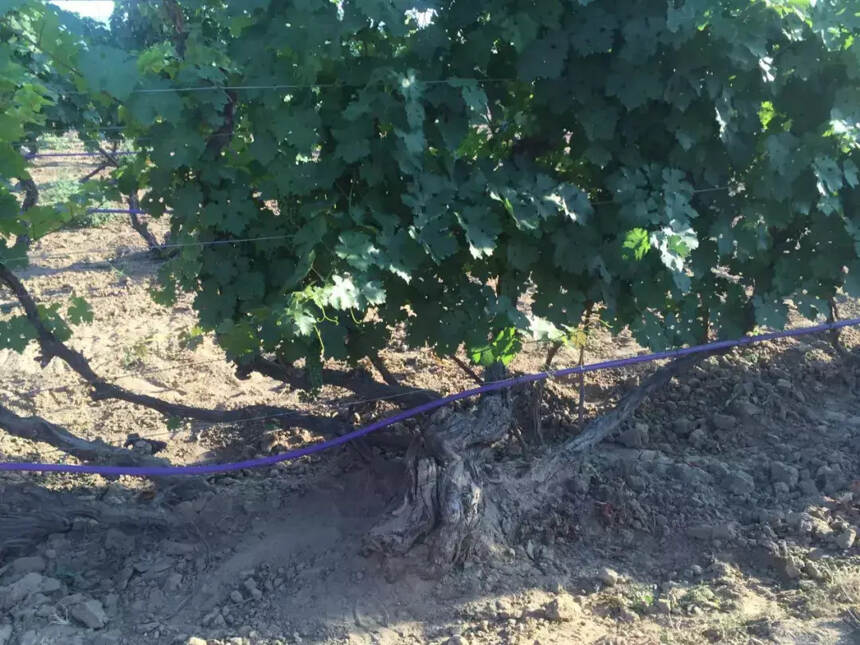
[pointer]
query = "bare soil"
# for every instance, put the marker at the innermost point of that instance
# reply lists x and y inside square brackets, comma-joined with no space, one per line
[725,511]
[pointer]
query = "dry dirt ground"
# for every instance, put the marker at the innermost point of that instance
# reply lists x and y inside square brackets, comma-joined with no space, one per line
[725,511]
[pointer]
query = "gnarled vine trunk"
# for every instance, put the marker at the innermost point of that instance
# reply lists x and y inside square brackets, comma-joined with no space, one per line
[446,503]
[452,507]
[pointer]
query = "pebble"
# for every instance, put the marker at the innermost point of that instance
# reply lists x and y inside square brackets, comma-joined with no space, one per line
[236,596]
[746,409]
[808,487]
[781,489]
[111,602]
[608,577]
[698,437]
[681,426]
[195,640]
[720,569]
[178,548]
[30,584]
[118,542]
[845,539]
[723,531]
[457,640]
[627,615]
[663,605]
[724,421]
[811,569]
[33,564]
[89,613]
[739,482]
[780,472]
[174,581]
[635,437]
[5,634]
[791,569]
[561,609]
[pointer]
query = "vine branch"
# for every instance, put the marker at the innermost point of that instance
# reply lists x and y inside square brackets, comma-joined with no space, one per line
[361,385]
[51,347]
[463,365]
[606,424]
[38,429]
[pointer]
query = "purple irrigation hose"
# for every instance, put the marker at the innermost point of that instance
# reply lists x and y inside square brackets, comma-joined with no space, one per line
[43,155]
[116,211]
[209,469]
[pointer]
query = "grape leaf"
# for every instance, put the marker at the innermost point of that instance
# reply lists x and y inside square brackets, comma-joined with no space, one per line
[79,311]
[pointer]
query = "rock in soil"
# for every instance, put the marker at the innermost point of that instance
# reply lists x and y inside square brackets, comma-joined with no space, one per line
[635,437]
[561,609]
[845,539]
[739,482]
[30,584]
[780,472]
[89,613]
[724,531]
[5,634]
[724,422]
[33,564]
[119,542]
[608,577]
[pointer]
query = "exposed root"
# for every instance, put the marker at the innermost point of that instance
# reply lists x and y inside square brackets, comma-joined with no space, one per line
[29,513]
[446,505]
[39,429]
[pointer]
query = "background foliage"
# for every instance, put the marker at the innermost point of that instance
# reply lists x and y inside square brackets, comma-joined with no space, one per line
[689,166]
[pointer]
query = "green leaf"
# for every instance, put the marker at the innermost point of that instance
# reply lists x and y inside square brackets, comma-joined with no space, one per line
[503,349]
[237,338]
[357,249]
[12,164]
[852,174]
[829,175]
[544,58]
[108,69]
[148,108]
[79,311]
[482,227]
[595,33]
[637,241]
[373,292]
[16,333]
[634,87]
[343,294]
[770,312]
[522,254]
[352,151]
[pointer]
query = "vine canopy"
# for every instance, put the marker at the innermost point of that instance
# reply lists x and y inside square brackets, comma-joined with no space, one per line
[686,165]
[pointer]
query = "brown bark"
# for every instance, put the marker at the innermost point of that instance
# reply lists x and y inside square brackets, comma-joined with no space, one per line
[38,429]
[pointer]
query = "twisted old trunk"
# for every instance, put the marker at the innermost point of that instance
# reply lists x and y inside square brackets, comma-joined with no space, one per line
[445,504]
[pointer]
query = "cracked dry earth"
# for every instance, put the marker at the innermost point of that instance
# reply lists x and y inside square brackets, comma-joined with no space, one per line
[725,511]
